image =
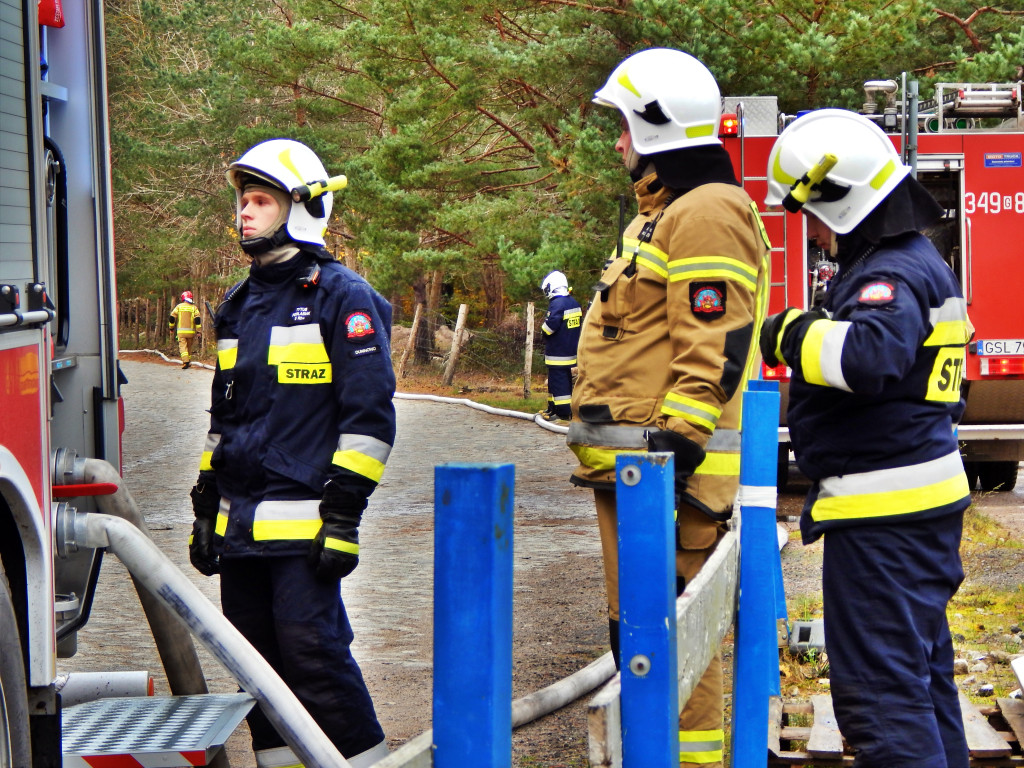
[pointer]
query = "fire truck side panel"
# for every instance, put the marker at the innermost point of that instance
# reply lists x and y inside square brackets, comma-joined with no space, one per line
[85,373]
[24,349]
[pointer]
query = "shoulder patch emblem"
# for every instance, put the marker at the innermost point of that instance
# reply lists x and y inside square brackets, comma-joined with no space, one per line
[877,293]
[359,326]
[707,300]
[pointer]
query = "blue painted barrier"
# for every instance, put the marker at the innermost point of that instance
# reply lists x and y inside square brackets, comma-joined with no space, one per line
[473,615]
[756,670]
[647,610]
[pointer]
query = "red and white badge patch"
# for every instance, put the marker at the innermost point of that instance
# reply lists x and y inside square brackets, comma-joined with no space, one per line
[359,326]
[877,293]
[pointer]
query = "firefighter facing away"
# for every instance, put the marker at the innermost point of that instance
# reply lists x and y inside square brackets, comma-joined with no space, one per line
[874,399]
[186,319]
[301,426]
[561,330]
[671,334]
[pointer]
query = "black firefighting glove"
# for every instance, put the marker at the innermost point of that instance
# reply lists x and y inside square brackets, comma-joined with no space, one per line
[205,504]
[688,455]
[334,553]
[777,327]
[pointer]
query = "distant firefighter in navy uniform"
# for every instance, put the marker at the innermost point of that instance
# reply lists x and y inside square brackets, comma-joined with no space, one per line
[561,338]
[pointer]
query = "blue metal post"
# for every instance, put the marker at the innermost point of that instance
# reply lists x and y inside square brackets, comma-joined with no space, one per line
[647,610]
[757,657]
[473,615]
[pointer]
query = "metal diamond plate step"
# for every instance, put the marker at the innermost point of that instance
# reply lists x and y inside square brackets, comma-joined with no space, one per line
[155,732]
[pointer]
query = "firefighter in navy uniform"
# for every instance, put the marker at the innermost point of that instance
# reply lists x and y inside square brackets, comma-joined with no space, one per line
[671,335]
[301,426]
[561,330]
[874,400]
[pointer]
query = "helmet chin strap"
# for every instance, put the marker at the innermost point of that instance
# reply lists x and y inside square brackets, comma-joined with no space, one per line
[255,246]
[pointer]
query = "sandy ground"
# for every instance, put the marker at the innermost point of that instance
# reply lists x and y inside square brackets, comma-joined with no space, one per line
[559,618]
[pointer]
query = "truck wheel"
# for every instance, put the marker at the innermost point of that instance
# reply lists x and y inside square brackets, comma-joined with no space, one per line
[998,475]
[15,747]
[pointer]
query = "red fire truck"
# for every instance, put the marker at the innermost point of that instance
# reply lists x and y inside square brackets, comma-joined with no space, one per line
[966,146]
[61,417]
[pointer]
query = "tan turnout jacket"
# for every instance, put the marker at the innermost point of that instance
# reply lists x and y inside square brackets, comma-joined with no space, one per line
[671,337]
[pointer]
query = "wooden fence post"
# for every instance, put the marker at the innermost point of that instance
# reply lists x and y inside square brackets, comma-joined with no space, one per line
[528,367]
[412,340]
[453,356]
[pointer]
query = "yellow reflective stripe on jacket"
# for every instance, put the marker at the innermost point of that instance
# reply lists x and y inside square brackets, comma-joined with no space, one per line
[340,545]
[212,441]
[363,455]
[701,746]
[950,324]
[889,492]
[559,360]
[821,353]
[227,353]
[597,458]
[222,517]
[286,520]
[713,268]
[653,258]
[296,344]
[691,410]
[716,463]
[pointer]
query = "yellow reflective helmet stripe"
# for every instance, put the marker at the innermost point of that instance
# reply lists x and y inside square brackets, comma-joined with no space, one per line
[700,131]
[879,179]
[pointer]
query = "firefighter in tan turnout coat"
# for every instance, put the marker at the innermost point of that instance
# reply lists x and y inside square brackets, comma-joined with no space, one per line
[671,334]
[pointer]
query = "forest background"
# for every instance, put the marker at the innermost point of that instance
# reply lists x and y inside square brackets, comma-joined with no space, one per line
[476,160]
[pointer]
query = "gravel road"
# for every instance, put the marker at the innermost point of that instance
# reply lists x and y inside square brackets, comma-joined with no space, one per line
[559,614]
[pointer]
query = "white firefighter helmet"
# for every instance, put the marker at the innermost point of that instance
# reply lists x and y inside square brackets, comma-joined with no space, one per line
[286,164]
[669,99]
[863,167]
[555,284]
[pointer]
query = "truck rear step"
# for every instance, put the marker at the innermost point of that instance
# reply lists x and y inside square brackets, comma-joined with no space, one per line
[151,731]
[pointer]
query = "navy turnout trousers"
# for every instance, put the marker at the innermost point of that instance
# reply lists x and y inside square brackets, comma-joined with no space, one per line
[300,627]
[886,588]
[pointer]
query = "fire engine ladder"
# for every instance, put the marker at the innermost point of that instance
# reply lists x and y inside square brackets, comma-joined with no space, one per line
[164,731]
[973,100]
